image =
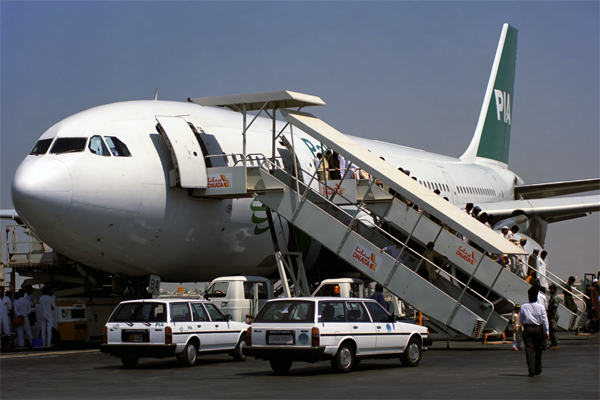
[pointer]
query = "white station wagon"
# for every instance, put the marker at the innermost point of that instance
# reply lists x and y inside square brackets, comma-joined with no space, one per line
[343,330]
[160,328]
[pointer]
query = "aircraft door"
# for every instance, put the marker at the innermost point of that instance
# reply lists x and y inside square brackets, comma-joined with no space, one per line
[305,159]
[186,154]
[453,195]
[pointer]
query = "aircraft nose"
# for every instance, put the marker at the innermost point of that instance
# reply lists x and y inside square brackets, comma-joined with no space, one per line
[42,191]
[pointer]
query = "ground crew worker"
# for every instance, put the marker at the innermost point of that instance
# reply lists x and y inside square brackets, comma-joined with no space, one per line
[378,296]
[553,316]
[535,329]
[5,311]
[47,305]
[22,307]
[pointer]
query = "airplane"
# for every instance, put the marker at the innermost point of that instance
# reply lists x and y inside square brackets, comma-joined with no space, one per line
[97,186]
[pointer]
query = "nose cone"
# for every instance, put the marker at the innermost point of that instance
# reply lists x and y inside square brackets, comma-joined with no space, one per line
[42,191]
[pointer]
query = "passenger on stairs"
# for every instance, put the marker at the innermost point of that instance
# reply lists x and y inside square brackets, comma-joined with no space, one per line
[468,208]
[429,255]
[393,251]
[532,260]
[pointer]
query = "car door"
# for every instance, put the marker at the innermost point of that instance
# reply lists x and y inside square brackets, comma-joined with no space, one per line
[361,327]
[333,321]
[223,336]
[390,338]
[181,320]
[203,326]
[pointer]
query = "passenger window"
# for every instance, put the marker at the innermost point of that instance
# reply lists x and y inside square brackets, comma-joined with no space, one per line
[180,312]
[68,145]
[41,147]
[117,148]
[378,314]
[357,312]
[97,146]
[249,290]
[218,289]
[332,311]
[215,313]
[199,312]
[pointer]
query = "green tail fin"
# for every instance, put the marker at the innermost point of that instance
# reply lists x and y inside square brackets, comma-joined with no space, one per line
[491,141]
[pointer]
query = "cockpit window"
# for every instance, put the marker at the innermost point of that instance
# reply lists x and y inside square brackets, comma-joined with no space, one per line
[97,146]
[68,145]
[41,147]
[117,148]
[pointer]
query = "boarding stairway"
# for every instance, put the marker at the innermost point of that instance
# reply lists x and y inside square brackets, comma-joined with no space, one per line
[353,231]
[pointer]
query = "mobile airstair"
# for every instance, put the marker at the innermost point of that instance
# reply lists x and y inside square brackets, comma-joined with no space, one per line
[351,223]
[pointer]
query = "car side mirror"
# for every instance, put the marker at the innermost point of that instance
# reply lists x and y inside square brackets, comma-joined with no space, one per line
[229,317]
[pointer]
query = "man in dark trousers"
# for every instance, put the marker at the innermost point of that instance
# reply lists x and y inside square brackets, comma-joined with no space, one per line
[535,330]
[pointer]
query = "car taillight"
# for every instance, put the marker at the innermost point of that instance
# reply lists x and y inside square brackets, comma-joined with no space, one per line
[105,335]
[249,337]
[168,335]
[315,337]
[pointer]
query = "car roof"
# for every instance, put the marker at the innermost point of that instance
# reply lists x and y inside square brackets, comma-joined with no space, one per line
[166,300]
[240,278]
[322,298]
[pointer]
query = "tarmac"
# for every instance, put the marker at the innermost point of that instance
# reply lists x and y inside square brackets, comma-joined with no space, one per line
[453,370]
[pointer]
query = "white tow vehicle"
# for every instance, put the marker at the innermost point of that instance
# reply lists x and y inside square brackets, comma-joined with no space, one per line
[343,330]
[240,297]
[160,328]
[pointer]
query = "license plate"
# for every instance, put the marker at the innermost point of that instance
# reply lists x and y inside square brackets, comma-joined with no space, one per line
[281,339]
[136,337]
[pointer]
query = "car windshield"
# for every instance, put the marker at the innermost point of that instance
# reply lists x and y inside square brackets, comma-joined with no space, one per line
[287,312]
[140,312]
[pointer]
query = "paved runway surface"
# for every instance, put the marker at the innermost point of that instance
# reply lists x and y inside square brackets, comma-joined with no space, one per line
[468,370]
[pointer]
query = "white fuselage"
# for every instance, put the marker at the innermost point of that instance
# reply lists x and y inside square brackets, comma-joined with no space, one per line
[119,214]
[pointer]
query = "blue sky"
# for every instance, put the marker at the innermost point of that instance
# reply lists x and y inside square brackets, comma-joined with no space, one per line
[412,73]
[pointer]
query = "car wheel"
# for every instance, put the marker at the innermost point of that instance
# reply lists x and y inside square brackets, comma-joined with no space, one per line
[189,355]
[344,358]
[130,361]
[238,353]
[412,354]
[280,367]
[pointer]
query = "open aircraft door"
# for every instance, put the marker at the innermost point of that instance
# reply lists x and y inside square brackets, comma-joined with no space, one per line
[187,156]
[303,156]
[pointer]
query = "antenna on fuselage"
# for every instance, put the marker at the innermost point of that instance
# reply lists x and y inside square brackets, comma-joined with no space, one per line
[156,94]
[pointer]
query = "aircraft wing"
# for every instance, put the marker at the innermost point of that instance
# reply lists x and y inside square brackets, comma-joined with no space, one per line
[544,190]
[549,209]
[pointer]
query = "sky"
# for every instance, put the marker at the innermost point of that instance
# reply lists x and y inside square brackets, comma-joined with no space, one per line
[411,73]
